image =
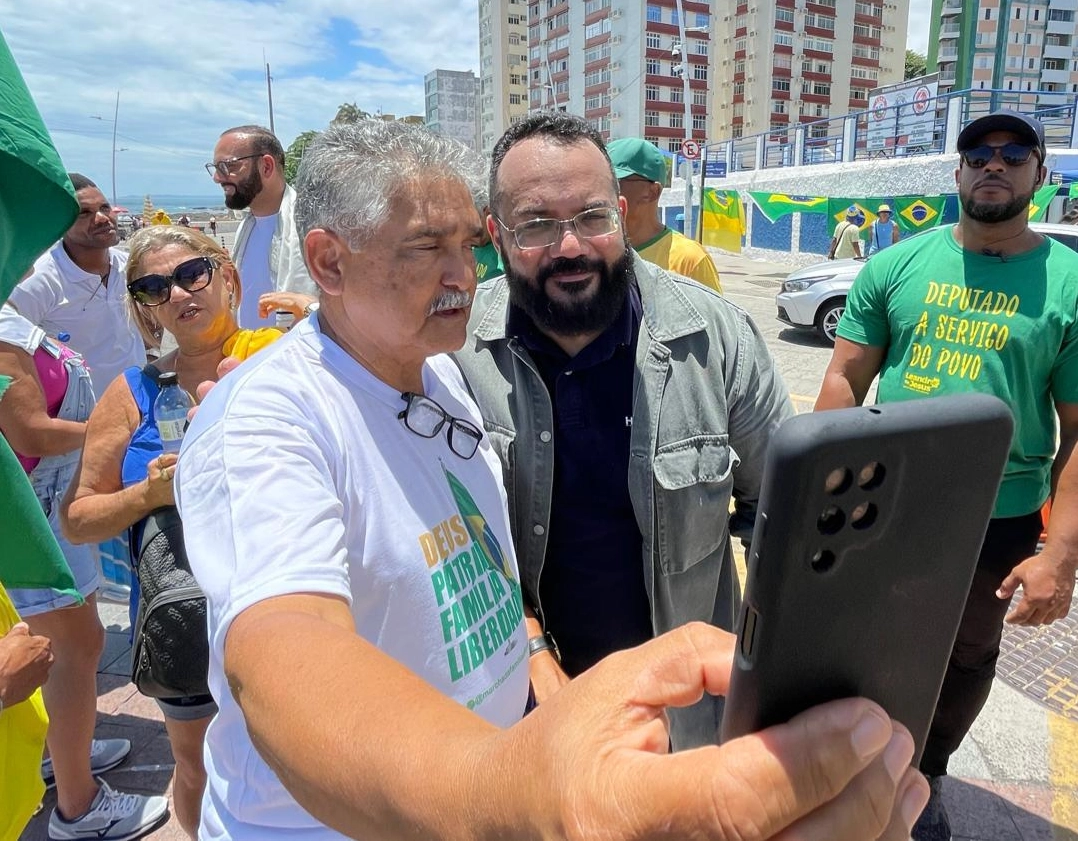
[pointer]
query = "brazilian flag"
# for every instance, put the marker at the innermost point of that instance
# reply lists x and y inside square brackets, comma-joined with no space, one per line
[480,531]
[838,208]
[37,205]
[918,213]
[776,205]
[722,219]
[1041,199]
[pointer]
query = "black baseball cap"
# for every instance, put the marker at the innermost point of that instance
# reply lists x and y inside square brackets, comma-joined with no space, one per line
[1029,129]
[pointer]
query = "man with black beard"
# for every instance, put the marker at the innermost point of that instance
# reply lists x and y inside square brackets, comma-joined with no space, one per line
[627,404]
[985,305]
[248,163]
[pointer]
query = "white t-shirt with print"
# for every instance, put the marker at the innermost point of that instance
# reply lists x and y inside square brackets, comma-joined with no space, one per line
[298,476]
[59,297]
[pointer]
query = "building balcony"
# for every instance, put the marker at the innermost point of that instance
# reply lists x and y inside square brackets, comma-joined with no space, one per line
[948,55]
[1059,27]
[1053,99]
[1055,77]
[950,31]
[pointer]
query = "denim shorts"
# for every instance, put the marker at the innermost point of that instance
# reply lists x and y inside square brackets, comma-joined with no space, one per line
[83,563]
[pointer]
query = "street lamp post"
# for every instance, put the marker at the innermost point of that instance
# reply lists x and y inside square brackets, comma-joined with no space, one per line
[115,121]
[682,48]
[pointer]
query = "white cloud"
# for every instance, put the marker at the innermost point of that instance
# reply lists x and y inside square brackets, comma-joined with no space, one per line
[917,34]
[186,71]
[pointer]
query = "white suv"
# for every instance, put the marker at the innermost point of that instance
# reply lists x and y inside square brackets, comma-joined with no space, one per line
[815,297]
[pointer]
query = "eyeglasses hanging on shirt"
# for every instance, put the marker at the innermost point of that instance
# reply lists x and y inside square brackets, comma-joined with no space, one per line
[426,418]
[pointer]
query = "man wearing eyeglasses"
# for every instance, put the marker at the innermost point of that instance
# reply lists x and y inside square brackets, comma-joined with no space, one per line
[628,404]
[248,163]
[344,514]
[641,171]
[985,305]
[77,289]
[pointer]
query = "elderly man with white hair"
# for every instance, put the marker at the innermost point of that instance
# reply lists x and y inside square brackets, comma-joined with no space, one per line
[345,516]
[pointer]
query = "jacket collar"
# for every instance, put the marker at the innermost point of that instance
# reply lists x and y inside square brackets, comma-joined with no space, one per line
[668,312]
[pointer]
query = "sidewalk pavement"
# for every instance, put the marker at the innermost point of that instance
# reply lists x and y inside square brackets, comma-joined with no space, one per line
[1015,778]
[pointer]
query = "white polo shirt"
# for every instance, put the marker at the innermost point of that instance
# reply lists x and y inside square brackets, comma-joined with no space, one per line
[59,297]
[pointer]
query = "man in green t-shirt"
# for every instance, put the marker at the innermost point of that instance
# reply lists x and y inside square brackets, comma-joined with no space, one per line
[986,305]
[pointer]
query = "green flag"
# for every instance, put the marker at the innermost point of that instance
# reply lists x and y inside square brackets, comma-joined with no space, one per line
[838,208]
[722,219]
[481,534]
[37,205]
[1072,193]
[776,205]
[918,213]
[1041,199]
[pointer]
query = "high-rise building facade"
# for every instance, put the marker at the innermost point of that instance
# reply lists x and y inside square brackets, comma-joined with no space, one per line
[452,97]
[798,61]
[620,64]
[503,67]
[1028,46]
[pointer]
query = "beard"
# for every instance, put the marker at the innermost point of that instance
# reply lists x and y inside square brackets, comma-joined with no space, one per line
[581,315]
[991,212]
[244,192]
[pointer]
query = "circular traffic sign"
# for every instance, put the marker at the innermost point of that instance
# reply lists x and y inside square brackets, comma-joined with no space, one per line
[690,149]
[920,99]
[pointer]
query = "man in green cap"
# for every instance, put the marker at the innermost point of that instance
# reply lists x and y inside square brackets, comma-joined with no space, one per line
[641,171]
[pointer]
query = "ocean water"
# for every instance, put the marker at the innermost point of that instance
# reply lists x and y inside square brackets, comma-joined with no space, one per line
[174,205]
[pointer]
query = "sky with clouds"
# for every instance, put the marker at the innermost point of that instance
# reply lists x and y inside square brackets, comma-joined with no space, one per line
[187,70]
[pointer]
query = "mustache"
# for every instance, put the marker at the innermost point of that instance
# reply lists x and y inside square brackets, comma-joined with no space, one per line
[450,301]
[569,265]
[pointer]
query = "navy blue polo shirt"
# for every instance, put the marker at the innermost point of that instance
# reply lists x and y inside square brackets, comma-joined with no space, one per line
[592,584]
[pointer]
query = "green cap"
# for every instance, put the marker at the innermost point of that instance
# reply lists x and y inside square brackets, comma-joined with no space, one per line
[635,156]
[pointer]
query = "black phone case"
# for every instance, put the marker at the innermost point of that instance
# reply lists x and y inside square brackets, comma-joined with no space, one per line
[869,527]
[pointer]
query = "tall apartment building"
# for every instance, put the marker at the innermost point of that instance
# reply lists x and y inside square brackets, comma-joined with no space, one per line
[1011,45]
[503,61]
[797,61]
[618,63]
[452,97]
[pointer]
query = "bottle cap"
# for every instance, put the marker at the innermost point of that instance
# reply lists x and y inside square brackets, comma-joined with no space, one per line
[63,337]
[168,378]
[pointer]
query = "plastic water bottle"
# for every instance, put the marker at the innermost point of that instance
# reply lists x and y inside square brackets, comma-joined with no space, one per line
[170,411]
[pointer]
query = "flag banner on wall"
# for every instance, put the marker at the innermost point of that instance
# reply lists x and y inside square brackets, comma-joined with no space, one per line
[1072,193]
[837,209]
[918,213]
[1041,199]
[777,205]
[722,219]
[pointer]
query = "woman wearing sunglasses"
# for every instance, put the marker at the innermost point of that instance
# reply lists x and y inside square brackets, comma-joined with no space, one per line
[181,281]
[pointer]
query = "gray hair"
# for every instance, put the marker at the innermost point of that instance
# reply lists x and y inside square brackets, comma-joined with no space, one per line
[351,173]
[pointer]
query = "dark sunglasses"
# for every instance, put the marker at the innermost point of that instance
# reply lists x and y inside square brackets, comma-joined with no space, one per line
[426,418]
[152,290]
[1013,154]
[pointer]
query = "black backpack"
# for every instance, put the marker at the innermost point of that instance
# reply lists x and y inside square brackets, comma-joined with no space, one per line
[171,654]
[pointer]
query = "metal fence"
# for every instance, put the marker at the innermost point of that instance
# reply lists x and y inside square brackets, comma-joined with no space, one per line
[881,133]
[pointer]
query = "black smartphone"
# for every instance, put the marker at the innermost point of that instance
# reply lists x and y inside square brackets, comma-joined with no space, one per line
[869,527]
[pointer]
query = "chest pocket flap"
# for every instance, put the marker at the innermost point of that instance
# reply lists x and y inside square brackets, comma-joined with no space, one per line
[693,484]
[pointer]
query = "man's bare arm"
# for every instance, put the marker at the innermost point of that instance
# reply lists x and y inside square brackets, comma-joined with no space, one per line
[849,375]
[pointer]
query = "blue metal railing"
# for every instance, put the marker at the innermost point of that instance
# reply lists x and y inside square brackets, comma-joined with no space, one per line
[864,135]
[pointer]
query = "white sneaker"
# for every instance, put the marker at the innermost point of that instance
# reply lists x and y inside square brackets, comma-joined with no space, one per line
[113,816]
[105,754]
